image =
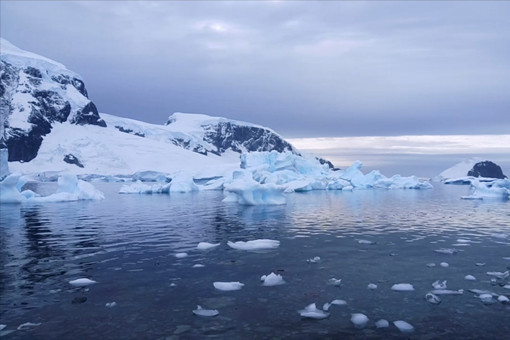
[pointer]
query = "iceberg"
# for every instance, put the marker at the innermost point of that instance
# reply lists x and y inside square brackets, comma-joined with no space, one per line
[254,244]
[403,326]
[243,189]
[272,280]
[497,189]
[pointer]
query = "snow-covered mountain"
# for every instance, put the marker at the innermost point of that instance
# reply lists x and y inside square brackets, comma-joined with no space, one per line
[50,125]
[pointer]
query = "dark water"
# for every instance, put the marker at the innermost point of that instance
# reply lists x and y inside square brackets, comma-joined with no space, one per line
[127,243]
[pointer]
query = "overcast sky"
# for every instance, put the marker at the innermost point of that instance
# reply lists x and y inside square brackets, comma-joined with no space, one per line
[303,68]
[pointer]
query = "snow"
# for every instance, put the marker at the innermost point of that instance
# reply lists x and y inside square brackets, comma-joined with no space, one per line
[459,170]
[19,57]
[254,244]
[272,280]
[205,312]
[228,286]
[359,320]
[312,312]
[403,326]
[82,282]
[206,245]
[402,287]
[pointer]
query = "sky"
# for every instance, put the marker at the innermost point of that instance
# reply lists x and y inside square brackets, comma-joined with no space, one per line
[305,69]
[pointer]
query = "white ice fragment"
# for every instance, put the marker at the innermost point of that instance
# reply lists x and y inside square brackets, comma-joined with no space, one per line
[447,292]
[312,312]
[339,302]
[503,299]
[499,275]
[205,312]
[335,282]
[2,327]
[366,242]
[314,260]
[431,265]
[480,264]
[506,286]
[27,325]
[110,304]
[206,245]
[254,244]
[198,265]
[432,298]
[326,306]
[402,287]
[82,282]
[447,251]
[372,286]
[439,285]
[272,280]
[444,264]
[228,286]
[181,255]
[359,320]
[403,326]
[469,278]
[487,298]
[382,323]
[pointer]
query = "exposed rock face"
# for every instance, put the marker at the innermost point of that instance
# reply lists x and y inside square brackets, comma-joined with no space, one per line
[35,93]
[72,159]
[486,169]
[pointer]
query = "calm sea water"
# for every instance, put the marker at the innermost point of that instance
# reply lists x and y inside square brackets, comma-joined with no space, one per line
[127,243]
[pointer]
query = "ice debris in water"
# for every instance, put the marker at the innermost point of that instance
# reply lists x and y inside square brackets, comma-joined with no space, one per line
[402,287]
[207,245]
[372,286]
[447,251]
[198,265]
[403,326]
[359,320]
[314,260]
[326,306]
[503,299]
[335,282]
[28,325]
[499,275]
[181,255]
[228,286]
[439,285]
[382,323]
[254,244]
[339,302]
[432,298]
[506,286]
[469,278]
[447,292]
[487,299]
[82,282]
[311,311]
[205,312]
[444,264]
[480,264]
[272,280]
[2,327]
[110,304]
[366,242]
[431,265]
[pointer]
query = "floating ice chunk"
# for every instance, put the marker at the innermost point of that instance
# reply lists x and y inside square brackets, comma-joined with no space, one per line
[506,286]
[480,264]
[499,189]
[228,286]
[382,323]
[439,285]
[359,320]
[183,182]
[27,325]
[82,282]
[503,299]
[365,242]
[447,251]
[444,264]
[70,188]
[469,278]
[110,304]
[326,306]
[402,287]
[432,298]
[254,244]
[207,245]
[339,302]
[198,265]
[181,255]
[499,275]
[488,299]
[431,265]
[403,326]
[447,292]
[272,280]
[372,286]
[314,260]
[205,312]
[244,190]
[335,282]
[2,327]
[312,312]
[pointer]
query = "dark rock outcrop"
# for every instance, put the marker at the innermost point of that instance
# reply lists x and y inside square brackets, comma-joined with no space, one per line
[72,159]
[486,169]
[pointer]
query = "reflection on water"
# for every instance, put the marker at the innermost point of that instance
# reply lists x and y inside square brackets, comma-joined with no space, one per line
[127,244]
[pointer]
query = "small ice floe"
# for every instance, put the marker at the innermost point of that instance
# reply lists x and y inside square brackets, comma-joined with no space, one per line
[205,312]
[444,264]
[254,244]
[372,286]
[181,255]
[480,264]
[382,323]
[439,285]
[335,282]
[499,275]
[402,287]
[228,286]
[432,298]
[272,280]
[503,299]
[83,282]
[207,245]
[448,251]
[469,278]
[359,320]
[487,299]
[311,311]
[403,326]
[447,292]
[365,242]
[110,304]
[27,325]
[314,260]
[198,265]
[431,265]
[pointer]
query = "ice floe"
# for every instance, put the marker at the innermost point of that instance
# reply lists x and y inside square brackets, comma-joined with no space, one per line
[82,282]
[207,245]
[254,244]
[272,280]
[503,299]
[469,278]
[382,323]
[311,311]
[205,312]
[487,299]
[228,286]
[439,285]
[372,286]
[359,320]
[244,190]
[402,287]
[2,326]
[339,302]
[444,264]
[181,255]
[403,326]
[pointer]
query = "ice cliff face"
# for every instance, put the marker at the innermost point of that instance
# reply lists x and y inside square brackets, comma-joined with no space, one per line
[36,92]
